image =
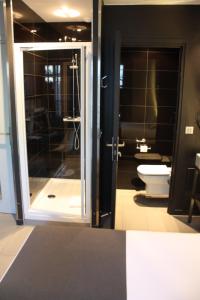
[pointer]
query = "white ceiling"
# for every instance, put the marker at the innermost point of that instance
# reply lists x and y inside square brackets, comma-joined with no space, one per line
[46,8]
[151,2]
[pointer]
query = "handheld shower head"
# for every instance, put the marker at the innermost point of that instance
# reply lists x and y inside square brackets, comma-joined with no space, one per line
[74,65]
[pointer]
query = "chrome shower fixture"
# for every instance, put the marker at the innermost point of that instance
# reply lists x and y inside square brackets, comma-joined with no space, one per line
[74,65]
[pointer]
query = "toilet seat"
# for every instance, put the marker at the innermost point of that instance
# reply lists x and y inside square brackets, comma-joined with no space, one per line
[154,170]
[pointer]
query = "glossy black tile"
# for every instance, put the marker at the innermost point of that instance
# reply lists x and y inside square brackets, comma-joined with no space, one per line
[162,80]
[41,87]
[164,147]
[41,102]
[161,97]
[161,115]
[65,136]
[148,105]
[165,132]
[64,149]
[151,114]
[132,96]
[163,60]
[50,141]
[40,65]
[134,79]
[63,103]
[29,63]
[150,131]
[29,85]
[56,119]
[131,131]
[133,59]
[130,149]
[132,114]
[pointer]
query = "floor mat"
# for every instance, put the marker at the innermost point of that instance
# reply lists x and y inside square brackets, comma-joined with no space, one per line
[59,262]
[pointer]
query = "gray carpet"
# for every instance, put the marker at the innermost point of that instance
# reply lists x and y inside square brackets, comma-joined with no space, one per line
[60,263]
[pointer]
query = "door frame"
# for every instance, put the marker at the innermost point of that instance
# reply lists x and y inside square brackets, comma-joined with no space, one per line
[85,48]
[181,45]
[166,43]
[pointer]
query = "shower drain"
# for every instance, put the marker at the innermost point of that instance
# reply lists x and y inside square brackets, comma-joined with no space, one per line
[51,196]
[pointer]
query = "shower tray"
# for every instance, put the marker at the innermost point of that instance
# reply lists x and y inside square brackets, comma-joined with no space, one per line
[70,119]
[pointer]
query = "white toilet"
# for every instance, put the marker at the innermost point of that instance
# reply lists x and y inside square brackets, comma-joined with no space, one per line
[156,179]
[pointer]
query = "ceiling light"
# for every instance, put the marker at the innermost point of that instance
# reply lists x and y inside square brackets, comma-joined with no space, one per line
[65,12]
[77,28]
[73,13]
[59,13]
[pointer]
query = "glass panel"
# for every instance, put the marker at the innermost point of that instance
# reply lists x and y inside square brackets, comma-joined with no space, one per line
[53,109]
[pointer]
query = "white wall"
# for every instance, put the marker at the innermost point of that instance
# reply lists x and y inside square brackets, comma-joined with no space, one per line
[7,200]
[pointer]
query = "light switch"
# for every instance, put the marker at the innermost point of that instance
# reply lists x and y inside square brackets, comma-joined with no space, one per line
[189,130]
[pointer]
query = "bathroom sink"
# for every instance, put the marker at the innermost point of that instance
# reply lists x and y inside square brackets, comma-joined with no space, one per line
[197,161]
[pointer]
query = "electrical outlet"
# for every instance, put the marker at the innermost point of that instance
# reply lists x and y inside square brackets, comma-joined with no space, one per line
[189,129]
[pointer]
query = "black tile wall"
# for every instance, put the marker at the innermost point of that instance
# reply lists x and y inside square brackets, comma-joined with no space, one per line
[134,59]
[163,97]
[148,98]
[162,79]
[48,98]
[133,97]
[134,79]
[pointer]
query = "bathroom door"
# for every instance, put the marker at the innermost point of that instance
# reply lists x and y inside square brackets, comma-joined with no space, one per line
[7,199]
[110,143]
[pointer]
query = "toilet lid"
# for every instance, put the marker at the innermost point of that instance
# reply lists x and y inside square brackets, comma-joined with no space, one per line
[154,170]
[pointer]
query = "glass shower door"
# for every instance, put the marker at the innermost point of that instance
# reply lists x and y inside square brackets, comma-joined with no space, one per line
[54,112]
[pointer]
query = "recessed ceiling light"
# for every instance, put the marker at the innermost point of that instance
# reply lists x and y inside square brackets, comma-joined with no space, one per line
[74,13]
[59,13]
[77,28]
[65,12]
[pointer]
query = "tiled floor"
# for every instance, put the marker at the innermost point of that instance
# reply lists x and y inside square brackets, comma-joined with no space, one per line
[67,195]
[132,216]
[129,216]
[12,238]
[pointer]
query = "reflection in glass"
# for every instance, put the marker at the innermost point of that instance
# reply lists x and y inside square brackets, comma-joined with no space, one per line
[53,146]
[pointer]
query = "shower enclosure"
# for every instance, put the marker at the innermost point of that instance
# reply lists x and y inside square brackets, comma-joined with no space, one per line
[53,100]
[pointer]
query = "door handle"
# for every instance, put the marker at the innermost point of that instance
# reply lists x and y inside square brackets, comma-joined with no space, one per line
[121,145]
[104,86]
[119,154]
